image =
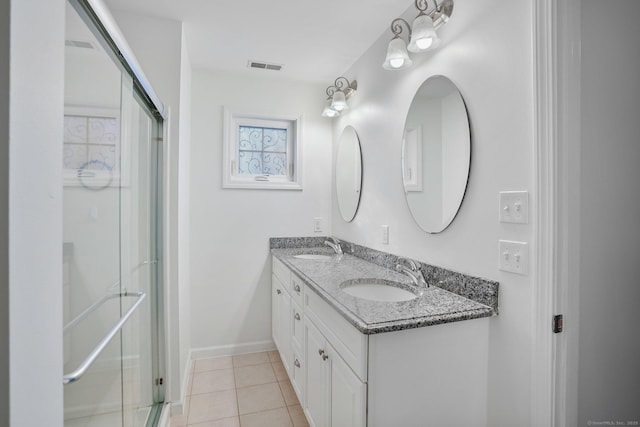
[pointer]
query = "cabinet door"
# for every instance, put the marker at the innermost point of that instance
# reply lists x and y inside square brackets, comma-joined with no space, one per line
[348,394]
[276,296]
[285,330]
[297,326]
[317,379]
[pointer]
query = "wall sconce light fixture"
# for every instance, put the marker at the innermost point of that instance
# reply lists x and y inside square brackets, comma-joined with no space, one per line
[422,34]
[337,96]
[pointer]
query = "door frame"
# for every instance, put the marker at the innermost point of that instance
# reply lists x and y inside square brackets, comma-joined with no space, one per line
[556,37]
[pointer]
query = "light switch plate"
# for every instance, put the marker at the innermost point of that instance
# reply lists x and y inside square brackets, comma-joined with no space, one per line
[384,234]
[514,207]
[514,257]
[317,225]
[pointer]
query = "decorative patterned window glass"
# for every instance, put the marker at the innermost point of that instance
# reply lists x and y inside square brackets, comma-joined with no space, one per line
[261,152]
[91,147]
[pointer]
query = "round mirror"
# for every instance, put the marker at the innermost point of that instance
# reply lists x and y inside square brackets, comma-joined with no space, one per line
[436,154]
[348,173]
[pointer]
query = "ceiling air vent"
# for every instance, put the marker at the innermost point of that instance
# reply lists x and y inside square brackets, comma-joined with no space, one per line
[80,44]
[264,66]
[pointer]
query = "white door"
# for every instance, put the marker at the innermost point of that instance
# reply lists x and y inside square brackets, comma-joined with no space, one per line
[598,377]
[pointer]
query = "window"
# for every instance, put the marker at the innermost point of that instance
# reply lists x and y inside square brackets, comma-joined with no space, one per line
[261,152]
[91,147]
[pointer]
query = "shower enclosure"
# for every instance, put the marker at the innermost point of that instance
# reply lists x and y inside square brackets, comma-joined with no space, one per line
[112,257]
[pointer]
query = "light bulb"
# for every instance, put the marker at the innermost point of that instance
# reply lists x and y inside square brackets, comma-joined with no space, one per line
[397,55]
[423,34]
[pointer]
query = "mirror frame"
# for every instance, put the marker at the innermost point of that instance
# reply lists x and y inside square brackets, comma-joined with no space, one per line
[419,185]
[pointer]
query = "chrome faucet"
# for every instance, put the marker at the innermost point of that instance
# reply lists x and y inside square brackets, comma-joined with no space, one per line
[334,244]
[411,269]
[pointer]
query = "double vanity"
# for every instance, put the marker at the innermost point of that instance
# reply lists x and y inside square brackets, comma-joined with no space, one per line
[367,342]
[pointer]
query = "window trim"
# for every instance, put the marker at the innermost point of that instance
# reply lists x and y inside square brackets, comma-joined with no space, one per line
[230,179]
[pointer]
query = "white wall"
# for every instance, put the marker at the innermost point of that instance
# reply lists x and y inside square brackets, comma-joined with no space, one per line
[609,210]
[35,214]
[184,219]
[487,53]
[230,270]
[5,37]
[157,44]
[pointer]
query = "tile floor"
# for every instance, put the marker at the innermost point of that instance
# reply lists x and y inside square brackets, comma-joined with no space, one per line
[250,390]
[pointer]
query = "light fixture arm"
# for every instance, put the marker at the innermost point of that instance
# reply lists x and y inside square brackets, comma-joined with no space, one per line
[439,15]
[342,84]
[396,27]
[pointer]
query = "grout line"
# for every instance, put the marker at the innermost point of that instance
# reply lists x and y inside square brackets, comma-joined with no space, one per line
[236,391]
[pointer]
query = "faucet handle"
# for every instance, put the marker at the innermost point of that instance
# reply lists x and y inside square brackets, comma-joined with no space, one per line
[334,240]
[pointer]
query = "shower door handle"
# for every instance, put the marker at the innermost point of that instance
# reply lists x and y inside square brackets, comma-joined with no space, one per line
[88,361]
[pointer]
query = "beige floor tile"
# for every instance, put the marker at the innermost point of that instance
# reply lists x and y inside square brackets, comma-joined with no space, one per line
[297,416]
[212,364]
[259,398]
[212,406]
[274,356]
[210,381]
[273,418]
[181,420]
[254,375]
[289,394]
[190,383]
[250,359]
[225,422]
[280,371]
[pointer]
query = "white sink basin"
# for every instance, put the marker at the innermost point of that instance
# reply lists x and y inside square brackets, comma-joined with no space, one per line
[313,256]
[377,290]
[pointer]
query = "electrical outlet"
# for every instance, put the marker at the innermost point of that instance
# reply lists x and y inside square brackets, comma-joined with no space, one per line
[514,257]
[384,234]
[514,207]
[317,225]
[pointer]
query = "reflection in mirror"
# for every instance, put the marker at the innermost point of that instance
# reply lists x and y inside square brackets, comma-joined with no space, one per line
[436,154]
[348,173]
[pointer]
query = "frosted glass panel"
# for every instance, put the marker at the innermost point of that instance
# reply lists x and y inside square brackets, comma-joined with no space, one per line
[262,151]
[274,164]
[275,140]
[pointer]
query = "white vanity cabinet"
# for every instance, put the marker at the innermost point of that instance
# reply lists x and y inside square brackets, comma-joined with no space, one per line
[335,395]
[281,325]
[287,323]
[429,376]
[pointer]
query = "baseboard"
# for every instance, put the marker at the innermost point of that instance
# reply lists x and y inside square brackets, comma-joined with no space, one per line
[232,349]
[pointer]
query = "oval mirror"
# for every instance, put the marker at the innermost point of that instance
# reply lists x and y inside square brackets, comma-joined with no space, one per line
[348,173]
[436,154]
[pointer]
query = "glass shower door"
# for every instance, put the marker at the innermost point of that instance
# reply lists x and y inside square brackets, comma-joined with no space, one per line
[111,239]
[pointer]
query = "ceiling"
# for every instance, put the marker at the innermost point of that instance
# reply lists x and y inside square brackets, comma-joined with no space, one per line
[314,40]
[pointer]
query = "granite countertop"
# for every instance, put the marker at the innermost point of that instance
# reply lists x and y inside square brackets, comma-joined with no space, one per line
[435,306]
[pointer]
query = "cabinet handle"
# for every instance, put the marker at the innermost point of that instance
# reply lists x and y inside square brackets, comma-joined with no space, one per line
[278,291]
[296,288]
[325,357]
[296,363]
[297,316]
[320,351]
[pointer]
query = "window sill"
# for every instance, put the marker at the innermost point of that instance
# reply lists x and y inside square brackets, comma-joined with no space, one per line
[263,185]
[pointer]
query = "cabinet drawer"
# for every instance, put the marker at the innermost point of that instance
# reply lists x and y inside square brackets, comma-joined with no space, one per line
[297,289]
[281,271]
[344,337]
[298,327]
